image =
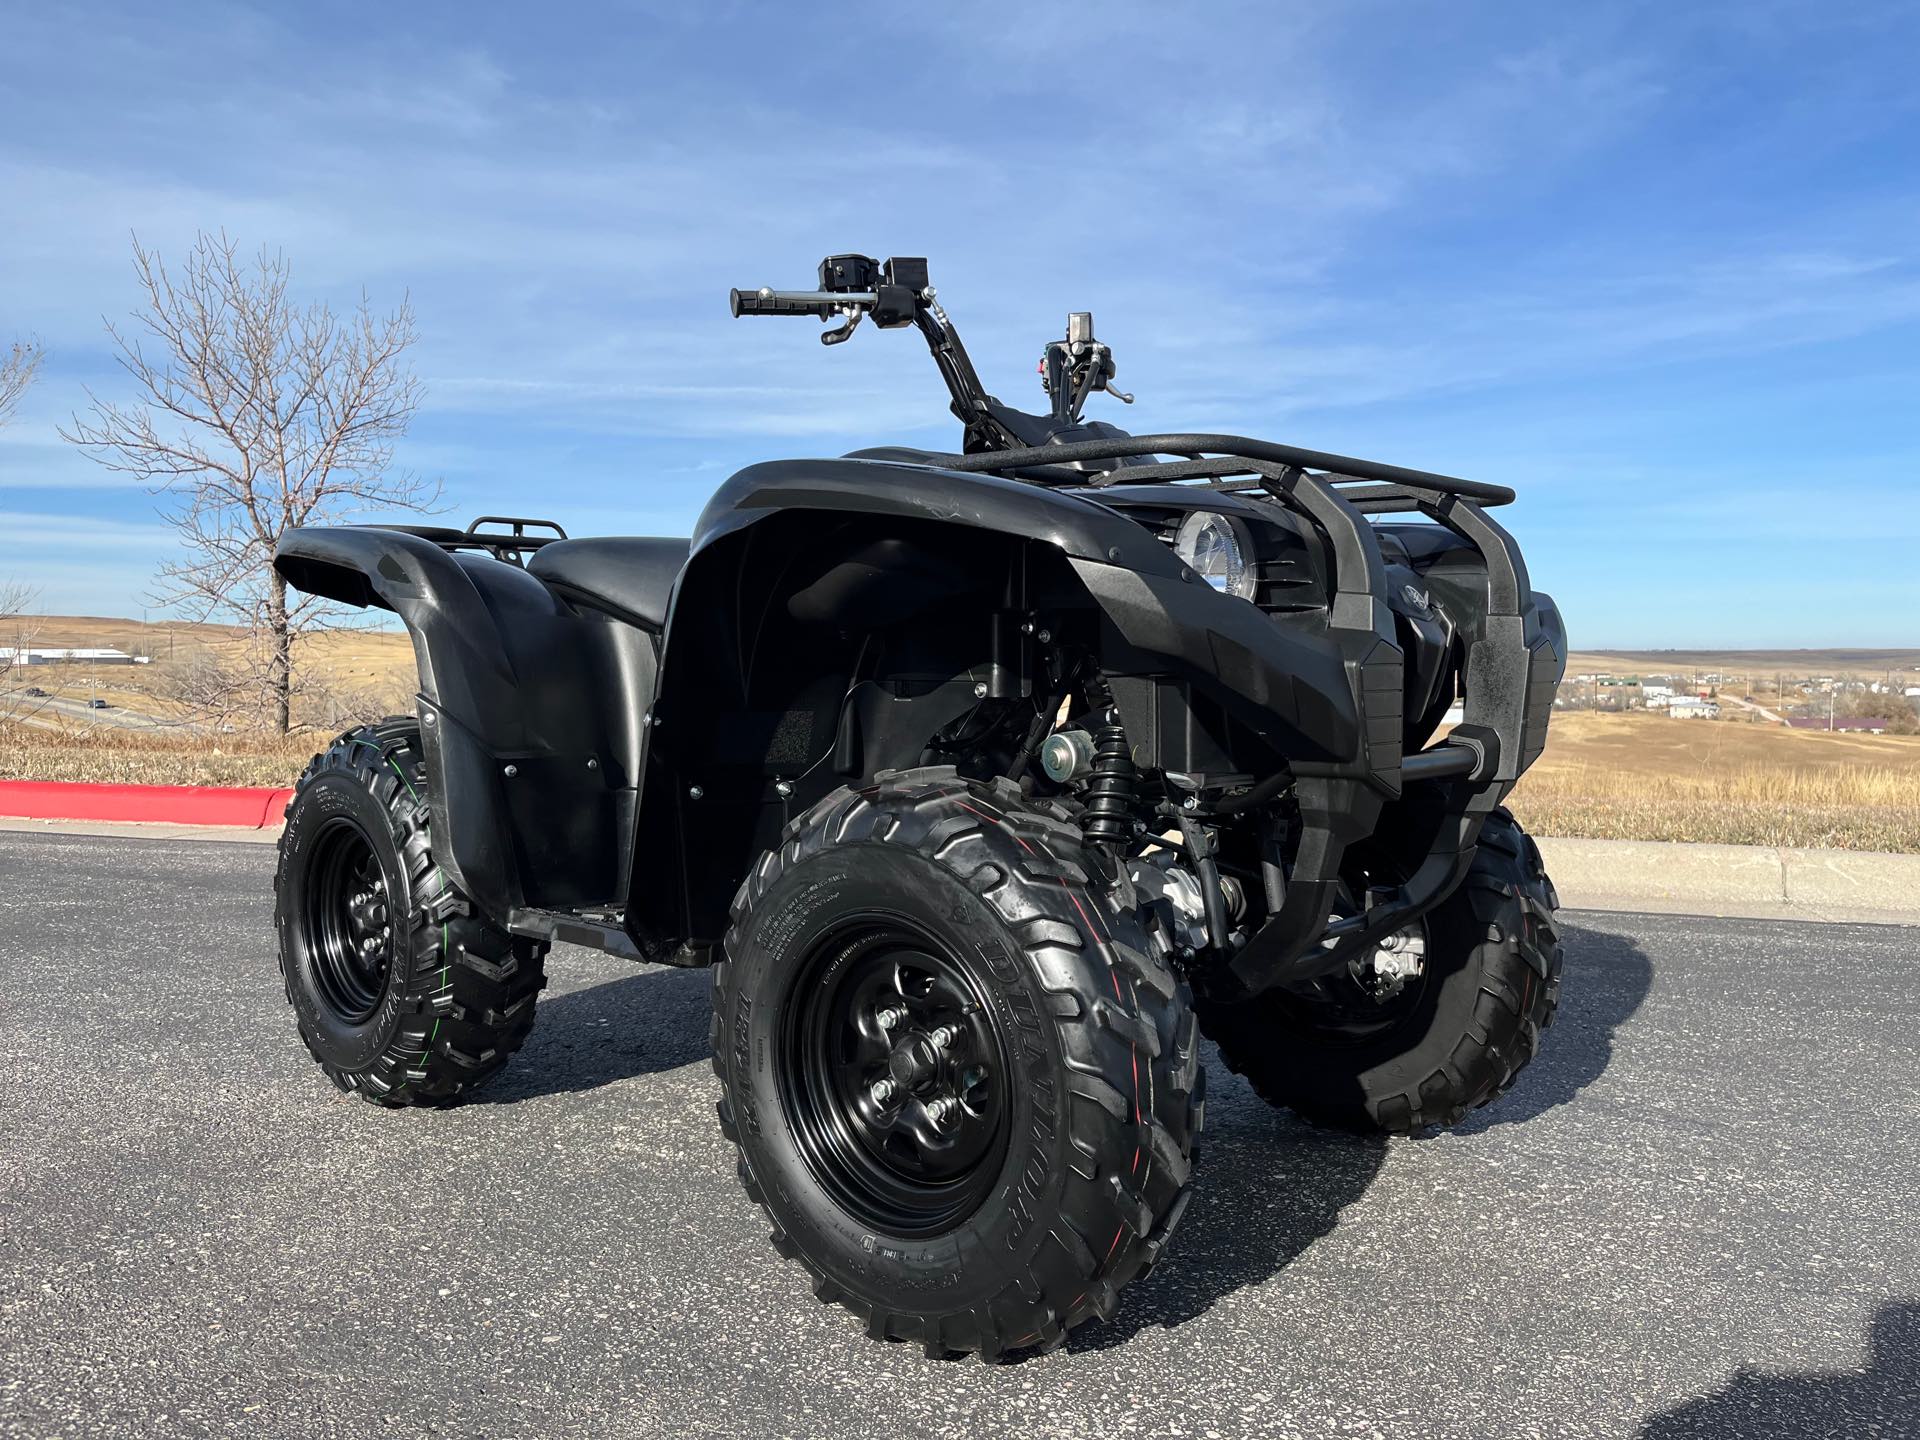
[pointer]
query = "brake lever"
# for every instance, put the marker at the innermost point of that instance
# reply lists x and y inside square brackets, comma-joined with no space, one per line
[854,316]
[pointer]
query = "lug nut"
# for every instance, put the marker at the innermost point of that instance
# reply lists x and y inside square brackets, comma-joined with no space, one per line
[938,1110]
[891,1016]
[944,1037]
[882,1091]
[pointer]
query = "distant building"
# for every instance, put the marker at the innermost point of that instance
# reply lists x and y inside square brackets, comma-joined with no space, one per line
[11,656]
[1692,707]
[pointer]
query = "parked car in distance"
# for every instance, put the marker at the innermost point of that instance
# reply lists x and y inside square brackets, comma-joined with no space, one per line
[98,704]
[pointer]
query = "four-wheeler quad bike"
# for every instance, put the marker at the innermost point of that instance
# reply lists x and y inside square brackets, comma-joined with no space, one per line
[984,782]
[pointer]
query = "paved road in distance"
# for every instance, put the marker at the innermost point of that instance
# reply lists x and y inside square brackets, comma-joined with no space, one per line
[1696,1216]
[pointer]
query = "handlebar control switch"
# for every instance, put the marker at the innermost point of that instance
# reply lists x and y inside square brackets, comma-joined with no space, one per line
[899,294]
[893,306]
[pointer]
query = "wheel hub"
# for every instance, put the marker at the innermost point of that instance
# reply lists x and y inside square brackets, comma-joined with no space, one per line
[1385,970]
[913,1064]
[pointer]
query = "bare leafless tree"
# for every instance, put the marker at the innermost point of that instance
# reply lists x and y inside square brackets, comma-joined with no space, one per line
[18,630]
[255,415]
[17,368]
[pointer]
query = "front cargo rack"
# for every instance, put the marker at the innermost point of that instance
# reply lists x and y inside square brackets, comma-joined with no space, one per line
[1376,488]
[1334,491]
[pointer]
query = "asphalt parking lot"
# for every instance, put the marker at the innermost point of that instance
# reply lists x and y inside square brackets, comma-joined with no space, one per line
[1699,1215]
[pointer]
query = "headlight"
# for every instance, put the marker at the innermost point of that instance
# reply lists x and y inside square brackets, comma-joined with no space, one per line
[1219,549]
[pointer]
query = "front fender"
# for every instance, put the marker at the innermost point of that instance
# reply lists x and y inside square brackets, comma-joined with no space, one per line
[1285,684]
[1078,527]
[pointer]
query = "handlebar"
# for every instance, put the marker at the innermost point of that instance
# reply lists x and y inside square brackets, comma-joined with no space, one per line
[892,294]
[823,303]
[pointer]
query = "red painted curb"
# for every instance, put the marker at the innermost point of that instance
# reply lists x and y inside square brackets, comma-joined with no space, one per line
[150,804]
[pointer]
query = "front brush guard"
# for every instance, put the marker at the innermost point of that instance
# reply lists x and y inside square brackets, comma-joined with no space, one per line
[1516,655]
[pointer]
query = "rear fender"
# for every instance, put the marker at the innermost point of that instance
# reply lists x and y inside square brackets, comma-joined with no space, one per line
[529,713]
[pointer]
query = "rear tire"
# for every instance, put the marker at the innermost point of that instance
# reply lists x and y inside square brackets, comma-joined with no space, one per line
[902,941]
[1492,984]
[403,993]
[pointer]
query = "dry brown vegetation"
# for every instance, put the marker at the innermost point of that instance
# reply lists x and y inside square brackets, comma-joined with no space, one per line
[1646,777]
[99,755]
[1634,776]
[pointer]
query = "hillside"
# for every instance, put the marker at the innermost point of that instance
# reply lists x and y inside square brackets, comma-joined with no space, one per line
[1746,662]
[1634,775]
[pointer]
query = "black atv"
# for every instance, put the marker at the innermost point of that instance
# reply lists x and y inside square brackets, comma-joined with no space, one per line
[983,782]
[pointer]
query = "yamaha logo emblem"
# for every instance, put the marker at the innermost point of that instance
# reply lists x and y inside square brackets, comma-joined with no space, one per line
[1415,596]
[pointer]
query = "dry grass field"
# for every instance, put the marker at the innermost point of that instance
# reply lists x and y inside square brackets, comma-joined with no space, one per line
[97,755]
[375,664]
[1642,776]
[1610,776]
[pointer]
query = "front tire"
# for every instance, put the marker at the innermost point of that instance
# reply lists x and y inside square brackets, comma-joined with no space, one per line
[1455,1041]
[961,1077]
[403,993]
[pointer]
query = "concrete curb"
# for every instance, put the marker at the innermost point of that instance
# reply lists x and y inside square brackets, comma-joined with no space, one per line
[1753,881]
[251,809]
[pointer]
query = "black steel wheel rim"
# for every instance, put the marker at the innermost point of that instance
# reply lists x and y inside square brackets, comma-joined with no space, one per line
[893,1076]
[1344,1010]
[347,924]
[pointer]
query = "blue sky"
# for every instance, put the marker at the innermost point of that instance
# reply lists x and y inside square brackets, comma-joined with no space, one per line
[1654,265]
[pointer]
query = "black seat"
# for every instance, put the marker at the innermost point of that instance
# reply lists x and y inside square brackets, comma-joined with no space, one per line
[628,575]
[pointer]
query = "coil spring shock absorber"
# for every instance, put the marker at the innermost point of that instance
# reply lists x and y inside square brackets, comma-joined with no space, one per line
[1109,812]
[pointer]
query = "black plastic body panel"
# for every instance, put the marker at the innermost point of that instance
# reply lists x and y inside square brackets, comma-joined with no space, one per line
[833,614]
[1075,524]
[530,712]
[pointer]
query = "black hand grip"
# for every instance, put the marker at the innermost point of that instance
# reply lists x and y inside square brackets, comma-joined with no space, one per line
[777,302]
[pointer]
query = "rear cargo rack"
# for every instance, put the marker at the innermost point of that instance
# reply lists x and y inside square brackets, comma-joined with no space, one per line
[514,545]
